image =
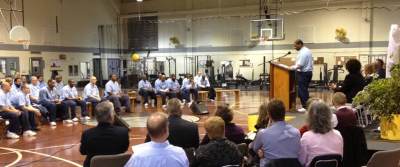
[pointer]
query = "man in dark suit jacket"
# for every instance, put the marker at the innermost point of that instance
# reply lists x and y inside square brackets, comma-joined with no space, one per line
[182,133]
[105,139]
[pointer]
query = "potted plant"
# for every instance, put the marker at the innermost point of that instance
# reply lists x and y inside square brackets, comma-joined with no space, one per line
[382,99]
[175,41]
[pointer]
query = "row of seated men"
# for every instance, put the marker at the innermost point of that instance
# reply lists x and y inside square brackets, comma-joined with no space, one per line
[20,102]
[328,131]
[172,89]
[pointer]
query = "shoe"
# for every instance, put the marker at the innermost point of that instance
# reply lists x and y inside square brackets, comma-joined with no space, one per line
[68,121]
[190,103]
[75,119]
[86,118]
[12,135]
[302,110]
[146,105]
[29,133]
[53,124]
[164,107]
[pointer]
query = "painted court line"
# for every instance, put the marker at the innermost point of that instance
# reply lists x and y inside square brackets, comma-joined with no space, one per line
[42,154]
[19,157]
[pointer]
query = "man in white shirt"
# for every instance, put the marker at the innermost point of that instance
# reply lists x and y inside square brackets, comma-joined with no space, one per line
[189,87]
[114,94]
[304,67]
[91,93]
[204,84]
[158,152]
[71,100]
[162,89]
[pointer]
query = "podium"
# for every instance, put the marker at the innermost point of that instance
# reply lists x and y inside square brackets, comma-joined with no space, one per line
[283,85]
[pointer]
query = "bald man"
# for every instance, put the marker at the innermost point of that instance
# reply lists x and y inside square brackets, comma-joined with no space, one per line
[7,111]
[158,152]
[91,93]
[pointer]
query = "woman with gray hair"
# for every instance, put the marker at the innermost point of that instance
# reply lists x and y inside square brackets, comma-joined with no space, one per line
[321,139]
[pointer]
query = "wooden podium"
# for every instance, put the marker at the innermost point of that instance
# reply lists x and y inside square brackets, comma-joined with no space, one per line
[283,85]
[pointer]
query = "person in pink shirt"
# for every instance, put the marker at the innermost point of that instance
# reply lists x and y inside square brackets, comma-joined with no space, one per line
[321,139]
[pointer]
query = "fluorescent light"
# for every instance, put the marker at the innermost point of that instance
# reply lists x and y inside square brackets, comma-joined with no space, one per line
[139,0]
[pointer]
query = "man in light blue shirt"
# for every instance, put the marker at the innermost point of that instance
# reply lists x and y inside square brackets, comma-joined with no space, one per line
[22,102]
[304,67]
[16,86]
[91,93]
[41,81]
[189,88]
[49,99]
[158,152]
[114,94]
[59,86]
[174,87]
[146,91]
[71,99]
[280,140]
[34,90]
[162,89]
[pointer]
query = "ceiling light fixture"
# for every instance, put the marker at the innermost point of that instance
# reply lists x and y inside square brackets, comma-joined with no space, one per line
[139,0]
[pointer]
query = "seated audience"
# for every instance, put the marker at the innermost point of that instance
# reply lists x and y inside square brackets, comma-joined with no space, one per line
[114,94]
[334,121]
[59,86]
[162,89]
[174,87]
[42,83]
[189,87]
[369,73]
[91,93]
[279,140]
[219,151]
[263,118]
[22,102]
[146,91]
[159,152]
[7,111]
[321,139]
[71,99]
[345,115]
[16,86]
[104,139]
[204,84]
[353,82]
[49,99]
[380,69]
[182,133]
[232,132]
[34,90]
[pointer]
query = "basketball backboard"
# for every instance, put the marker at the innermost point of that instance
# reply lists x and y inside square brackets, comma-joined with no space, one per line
[267,29]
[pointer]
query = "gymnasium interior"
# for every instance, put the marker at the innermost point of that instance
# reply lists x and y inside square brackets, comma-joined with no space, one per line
[245,49]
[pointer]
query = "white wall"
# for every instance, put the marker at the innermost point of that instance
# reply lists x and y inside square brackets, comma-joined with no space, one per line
[234,31]
[78,22]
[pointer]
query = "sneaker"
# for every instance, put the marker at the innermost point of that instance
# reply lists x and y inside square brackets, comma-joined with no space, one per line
[75,119]
[302,110]
[53,124]
[86,118]
[29,133]
[146,105]
[68,121]
[12,135]
[164,107]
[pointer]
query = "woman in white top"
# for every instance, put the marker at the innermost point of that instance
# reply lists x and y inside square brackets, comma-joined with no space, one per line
[321,139]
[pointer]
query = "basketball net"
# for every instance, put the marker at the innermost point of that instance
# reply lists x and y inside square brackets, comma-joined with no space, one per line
[25,43]
[263,40]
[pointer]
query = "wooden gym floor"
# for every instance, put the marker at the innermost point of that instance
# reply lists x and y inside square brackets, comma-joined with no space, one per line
[60,146]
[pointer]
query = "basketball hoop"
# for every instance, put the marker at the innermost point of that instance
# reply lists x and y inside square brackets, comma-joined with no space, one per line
[21,35]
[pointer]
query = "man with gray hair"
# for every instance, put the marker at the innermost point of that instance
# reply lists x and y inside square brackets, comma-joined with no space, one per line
[158,152]
[105,139]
